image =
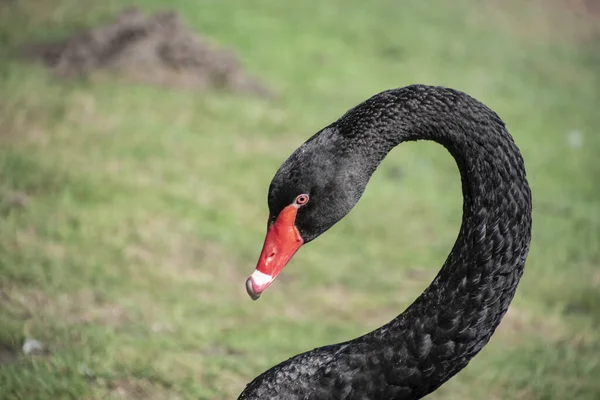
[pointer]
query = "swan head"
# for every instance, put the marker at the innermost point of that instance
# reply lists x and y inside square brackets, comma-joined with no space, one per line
[312,190]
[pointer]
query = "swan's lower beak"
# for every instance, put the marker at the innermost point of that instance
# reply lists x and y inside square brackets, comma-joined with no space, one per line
[281,243]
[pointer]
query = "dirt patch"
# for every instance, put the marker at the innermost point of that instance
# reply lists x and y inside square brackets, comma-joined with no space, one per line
[153,49]
[8,355]
[589,7]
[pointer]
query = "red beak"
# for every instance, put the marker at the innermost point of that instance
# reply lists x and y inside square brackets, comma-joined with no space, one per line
[282,242]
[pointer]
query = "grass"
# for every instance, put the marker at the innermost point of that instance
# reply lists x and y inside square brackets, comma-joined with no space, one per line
[131,215]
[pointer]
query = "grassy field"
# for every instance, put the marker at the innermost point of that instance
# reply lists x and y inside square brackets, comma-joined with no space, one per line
[130,216]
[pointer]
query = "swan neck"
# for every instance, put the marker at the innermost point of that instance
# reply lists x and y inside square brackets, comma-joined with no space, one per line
[459,311]
[453,319]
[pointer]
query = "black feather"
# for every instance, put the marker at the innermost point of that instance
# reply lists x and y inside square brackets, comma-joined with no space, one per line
[457,314]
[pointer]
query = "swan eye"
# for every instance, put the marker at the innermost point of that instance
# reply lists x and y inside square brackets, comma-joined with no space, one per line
[302,199]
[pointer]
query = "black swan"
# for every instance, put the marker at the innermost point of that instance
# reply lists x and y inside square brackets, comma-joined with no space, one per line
[456,315]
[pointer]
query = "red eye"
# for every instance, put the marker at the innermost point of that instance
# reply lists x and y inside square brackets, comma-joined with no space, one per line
[302,199]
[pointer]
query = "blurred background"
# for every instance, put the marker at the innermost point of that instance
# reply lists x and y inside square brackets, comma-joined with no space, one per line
[136,150]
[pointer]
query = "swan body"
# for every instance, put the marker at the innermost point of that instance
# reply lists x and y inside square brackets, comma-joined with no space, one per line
[454,318]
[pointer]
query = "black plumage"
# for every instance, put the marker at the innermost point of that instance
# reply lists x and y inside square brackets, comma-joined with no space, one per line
[447,325]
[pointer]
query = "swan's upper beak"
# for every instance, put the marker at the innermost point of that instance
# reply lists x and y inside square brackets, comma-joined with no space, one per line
[281,243]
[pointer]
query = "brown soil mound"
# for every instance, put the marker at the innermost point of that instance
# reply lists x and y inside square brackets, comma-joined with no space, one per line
[154,49]
[591,7]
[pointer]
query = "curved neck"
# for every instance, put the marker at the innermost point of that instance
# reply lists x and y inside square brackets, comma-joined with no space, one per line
[457,314]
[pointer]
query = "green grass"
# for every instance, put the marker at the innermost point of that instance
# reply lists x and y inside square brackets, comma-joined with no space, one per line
[131,216]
